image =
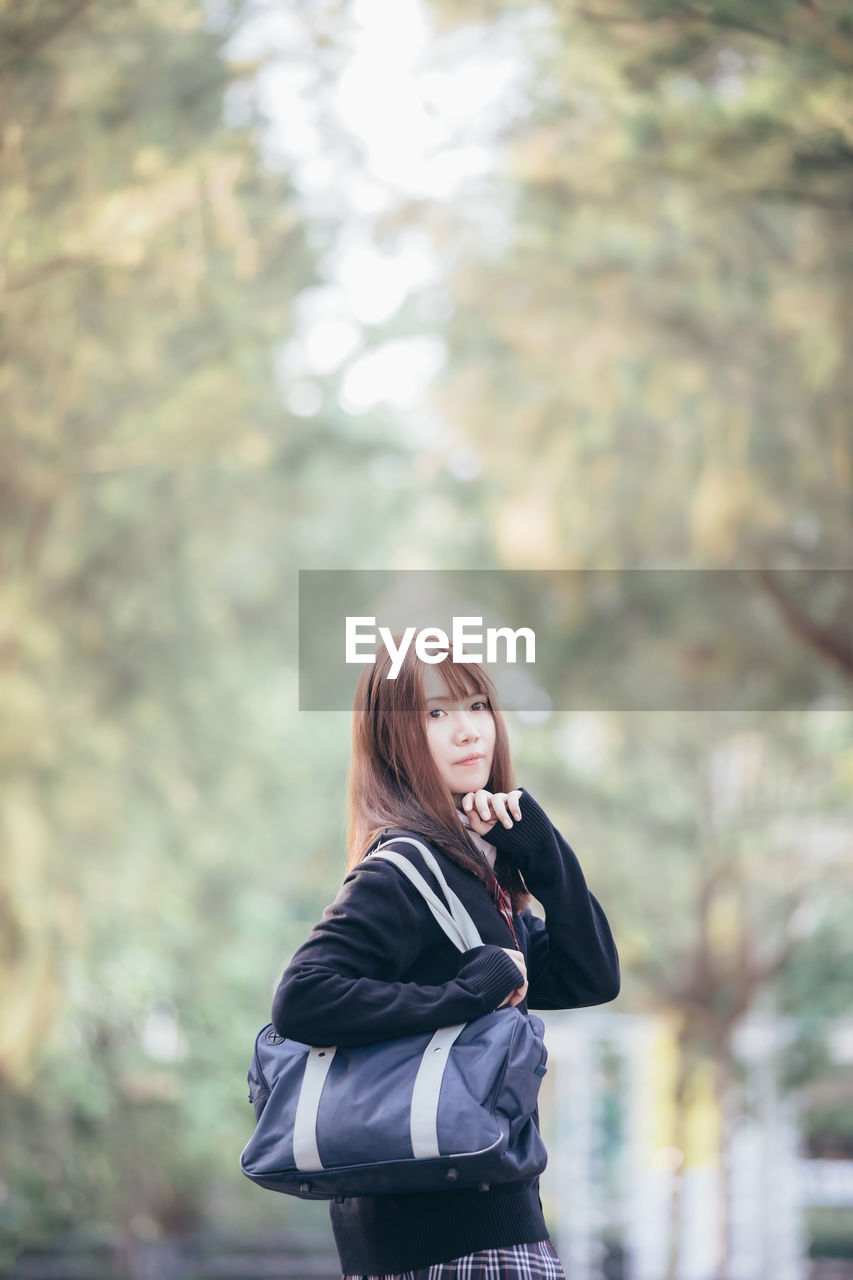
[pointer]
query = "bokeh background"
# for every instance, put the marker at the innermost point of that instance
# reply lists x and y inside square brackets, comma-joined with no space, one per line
[415,284]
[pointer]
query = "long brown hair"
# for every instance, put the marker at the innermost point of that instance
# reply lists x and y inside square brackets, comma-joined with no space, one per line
[393,780]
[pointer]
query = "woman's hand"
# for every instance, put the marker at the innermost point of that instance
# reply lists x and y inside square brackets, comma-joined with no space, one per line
[516,997]
[484,809]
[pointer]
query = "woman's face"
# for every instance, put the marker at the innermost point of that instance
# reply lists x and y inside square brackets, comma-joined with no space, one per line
[460,735]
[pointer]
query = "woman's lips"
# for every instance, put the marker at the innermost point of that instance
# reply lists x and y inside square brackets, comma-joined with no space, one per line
[469,760]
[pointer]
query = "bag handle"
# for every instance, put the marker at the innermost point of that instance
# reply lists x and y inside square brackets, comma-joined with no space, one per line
[453,918]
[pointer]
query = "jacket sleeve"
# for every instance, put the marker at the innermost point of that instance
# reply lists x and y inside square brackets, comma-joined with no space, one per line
[343,984]
[572,959]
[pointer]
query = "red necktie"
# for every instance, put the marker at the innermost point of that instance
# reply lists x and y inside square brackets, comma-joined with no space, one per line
[503,902]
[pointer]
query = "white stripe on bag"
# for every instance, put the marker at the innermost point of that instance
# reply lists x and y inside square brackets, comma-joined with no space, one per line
[306,1156]
[427,1087]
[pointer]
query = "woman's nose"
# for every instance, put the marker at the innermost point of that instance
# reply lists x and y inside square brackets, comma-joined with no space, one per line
[467,729]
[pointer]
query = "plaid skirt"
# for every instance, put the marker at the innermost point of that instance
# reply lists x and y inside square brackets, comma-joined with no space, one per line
[536,1261]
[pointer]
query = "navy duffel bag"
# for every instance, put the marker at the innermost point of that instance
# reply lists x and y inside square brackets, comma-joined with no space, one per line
[451,1109]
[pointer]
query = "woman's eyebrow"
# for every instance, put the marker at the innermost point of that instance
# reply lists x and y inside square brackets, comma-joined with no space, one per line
[478,693]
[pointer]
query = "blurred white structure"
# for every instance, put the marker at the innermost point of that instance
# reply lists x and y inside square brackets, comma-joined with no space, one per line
[611,1176]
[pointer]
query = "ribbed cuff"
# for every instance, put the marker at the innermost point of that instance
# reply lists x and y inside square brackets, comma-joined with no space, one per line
[524,837]
[491,972]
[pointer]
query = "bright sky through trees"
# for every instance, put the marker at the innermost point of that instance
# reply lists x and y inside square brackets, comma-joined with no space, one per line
[415,119]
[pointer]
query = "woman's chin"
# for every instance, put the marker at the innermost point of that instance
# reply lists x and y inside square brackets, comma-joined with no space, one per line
[475,781]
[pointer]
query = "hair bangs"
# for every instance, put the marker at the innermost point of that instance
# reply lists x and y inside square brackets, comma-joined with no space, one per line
[393,781]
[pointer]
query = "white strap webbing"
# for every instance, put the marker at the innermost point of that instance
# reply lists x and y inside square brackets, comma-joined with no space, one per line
[306,1156]
[423,1121]
[455,930]
[464,933]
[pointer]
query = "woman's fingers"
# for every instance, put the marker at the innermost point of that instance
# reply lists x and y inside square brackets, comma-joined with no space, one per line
[485,807]
[514,997]
[499,800]
[482,799]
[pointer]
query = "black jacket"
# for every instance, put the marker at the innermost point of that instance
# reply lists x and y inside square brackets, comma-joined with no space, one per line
[379,966]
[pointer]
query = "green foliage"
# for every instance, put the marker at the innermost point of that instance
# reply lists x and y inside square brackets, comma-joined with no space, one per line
[158,788]
[720,841]
[649,357]
[829,1232]
[657,339]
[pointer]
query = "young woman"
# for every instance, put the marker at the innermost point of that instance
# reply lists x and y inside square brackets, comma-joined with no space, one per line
[431,759]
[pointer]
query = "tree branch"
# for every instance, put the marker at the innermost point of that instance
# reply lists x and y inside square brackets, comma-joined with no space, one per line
[38,37]
[44,271]
[826,640]
[689,12]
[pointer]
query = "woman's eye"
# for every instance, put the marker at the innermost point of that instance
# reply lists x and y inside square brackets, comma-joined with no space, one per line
[478,702]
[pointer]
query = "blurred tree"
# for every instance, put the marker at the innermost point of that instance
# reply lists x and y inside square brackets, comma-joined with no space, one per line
[652,330]
[721,846]
[652,343]
[158,794]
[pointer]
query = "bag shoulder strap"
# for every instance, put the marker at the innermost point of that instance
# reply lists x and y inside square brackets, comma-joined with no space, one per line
[453,918]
